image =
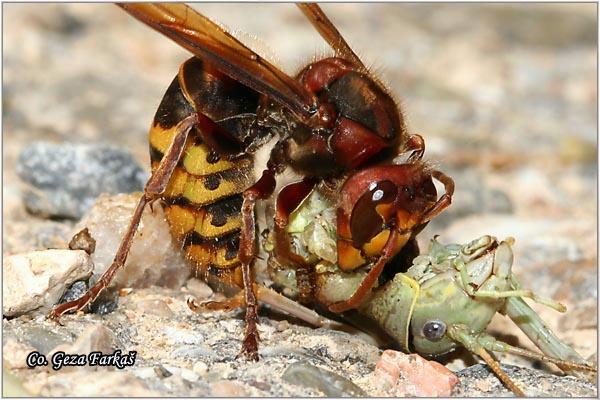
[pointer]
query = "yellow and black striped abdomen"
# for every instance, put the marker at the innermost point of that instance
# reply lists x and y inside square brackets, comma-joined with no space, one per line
[203,199]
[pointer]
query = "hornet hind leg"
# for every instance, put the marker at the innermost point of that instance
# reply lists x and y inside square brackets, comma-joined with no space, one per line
[155,186]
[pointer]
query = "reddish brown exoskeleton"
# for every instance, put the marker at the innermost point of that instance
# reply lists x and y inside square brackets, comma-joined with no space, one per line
[333,122]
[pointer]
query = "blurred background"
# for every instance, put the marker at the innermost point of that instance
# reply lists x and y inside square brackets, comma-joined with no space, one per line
[505,96]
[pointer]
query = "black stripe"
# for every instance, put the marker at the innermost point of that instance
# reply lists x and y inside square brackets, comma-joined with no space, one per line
[180,201]
[230,242]
[220,211]
[155,154]
[227,174]
[223,209]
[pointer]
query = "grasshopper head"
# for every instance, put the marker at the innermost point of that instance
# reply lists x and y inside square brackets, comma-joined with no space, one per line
[437,299]
[445,302]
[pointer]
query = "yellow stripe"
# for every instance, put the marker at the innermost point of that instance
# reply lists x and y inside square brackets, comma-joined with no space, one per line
[194,161]
[220,261]
[177,184]
[194,189]
[181,220]
[205,256]
[206,229]
[196,192]
[161,138]
[199,254]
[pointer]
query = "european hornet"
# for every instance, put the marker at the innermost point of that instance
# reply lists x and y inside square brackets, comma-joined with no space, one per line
[333,122]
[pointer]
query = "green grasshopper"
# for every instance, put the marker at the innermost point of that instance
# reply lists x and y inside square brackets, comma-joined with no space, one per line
[446,299]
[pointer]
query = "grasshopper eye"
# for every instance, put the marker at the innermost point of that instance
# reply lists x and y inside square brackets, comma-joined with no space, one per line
[434,330]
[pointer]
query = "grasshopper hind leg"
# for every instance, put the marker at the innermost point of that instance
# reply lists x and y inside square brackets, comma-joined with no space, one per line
[482,343]
[495,366]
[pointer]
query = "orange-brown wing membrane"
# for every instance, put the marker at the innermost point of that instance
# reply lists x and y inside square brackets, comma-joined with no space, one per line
[210,42]
[328,31]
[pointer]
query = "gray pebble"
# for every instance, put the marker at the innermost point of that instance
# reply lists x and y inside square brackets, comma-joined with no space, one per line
[66,178]
[95,337]
[192,352]
[480,381]
[107,302]
[154,307]
[330,383]
[162,372]
[44,340]
[76,290]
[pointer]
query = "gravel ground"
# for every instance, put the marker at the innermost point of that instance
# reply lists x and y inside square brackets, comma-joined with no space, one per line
[504,95]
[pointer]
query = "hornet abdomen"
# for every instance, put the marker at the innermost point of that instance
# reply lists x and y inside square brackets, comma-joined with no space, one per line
[203,197]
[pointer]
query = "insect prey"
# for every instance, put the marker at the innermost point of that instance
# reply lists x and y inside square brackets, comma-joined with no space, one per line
[445,299]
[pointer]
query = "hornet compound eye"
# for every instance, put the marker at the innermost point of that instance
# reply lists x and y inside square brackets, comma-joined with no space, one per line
[434,330]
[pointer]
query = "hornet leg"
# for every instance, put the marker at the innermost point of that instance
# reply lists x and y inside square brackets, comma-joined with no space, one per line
[154,187]
[356,299]
[262,189]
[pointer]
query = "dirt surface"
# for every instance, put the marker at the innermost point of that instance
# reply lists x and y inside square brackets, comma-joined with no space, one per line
[504,95]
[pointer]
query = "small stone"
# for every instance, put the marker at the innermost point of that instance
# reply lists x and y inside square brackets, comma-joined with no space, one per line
[82,240]
[225,388]
[75,292]
[199,289]
[162,372]
[153,258]
[266,331]
[65,179]
[192,352]
[327,382]
[585,316]
[402,375]
[42,338]
[155,307]
[125,292]
[189,375]
[283,326]
[107,302]
[200,368]
[468,202]
[14,354]
[94,338]
[183,336]
[37,280]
